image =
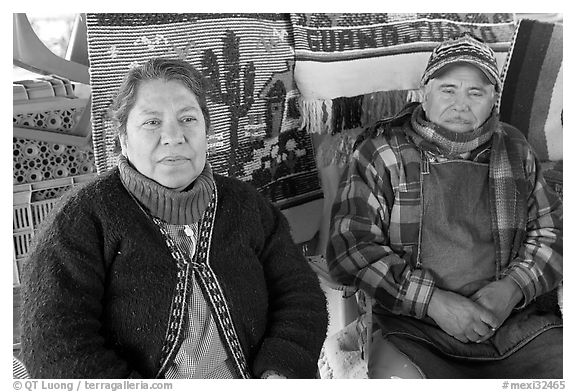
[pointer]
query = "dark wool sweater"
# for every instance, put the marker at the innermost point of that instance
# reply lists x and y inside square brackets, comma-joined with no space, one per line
[98,286]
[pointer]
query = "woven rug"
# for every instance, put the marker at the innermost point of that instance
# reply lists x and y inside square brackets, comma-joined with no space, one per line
[249,61]
[532,95]
[354,69]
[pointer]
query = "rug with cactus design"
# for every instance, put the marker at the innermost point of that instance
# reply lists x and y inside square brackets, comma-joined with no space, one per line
[248,60]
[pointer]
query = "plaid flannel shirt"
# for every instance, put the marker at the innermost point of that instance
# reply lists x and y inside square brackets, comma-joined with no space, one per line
[376,220]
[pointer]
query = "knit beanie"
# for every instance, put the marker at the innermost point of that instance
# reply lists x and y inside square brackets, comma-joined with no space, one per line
[465,49]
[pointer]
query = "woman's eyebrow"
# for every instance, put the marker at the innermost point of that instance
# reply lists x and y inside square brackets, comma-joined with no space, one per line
[193,108]
[151,112]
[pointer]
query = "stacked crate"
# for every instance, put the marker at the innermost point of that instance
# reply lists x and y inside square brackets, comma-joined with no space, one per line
[31,205]
[47,109]
[51,154]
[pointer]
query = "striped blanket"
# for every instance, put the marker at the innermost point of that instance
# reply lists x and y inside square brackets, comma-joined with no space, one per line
[532,95]
[354,69]
[248,60]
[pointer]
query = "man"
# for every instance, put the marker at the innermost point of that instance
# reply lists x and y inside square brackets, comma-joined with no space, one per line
[444,218]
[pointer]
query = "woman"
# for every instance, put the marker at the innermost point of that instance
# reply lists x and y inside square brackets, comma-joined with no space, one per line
[160,268]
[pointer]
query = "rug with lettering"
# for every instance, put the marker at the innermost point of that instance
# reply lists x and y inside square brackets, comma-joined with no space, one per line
[354,69]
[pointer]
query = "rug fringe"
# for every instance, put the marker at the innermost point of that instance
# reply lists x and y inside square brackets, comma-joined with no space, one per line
[333,116]
[316,115]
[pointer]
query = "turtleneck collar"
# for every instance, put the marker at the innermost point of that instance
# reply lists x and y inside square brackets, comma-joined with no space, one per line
[173,207]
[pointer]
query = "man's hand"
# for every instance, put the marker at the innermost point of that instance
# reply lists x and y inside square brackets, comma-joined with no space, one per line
[499,297]
[461,317]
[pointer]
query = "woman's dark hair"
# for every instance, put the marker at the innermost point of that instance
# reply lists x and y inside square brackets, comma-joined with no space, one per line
[157,68]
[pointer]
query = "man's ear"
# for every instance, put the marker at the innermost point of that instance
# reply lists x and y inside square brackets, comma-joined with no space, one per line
[424,91]
[495,96]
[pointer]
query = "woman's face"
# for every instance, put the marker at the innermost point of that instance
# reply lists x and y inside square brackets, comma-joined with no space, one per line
[165,135]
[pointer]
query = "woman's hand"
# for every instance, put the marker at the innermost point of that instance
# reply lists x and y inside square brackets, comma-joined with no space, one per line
[499,297]
[461,317]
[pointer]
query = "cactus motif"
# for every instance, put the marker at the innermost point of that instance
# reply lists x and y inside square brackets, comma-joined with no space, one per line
[231,85]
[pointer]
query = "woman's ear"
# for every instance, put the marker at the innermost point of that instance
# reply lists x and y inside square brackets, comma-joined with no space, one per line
[209,131]
[122,138]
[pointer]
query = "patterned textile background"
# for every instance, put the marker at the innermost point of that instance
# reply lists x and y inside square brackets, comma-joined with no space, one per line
[532,95]
[248,60]
[354,69]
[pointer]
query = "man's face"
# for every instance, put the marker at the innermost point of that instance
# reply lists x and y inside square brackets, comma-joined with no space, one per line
[460,99]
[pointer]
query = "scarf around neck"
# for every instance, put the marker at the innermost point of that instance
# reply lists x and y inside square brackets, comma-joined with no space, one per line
[173,207]
[440,140]
[507,181]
